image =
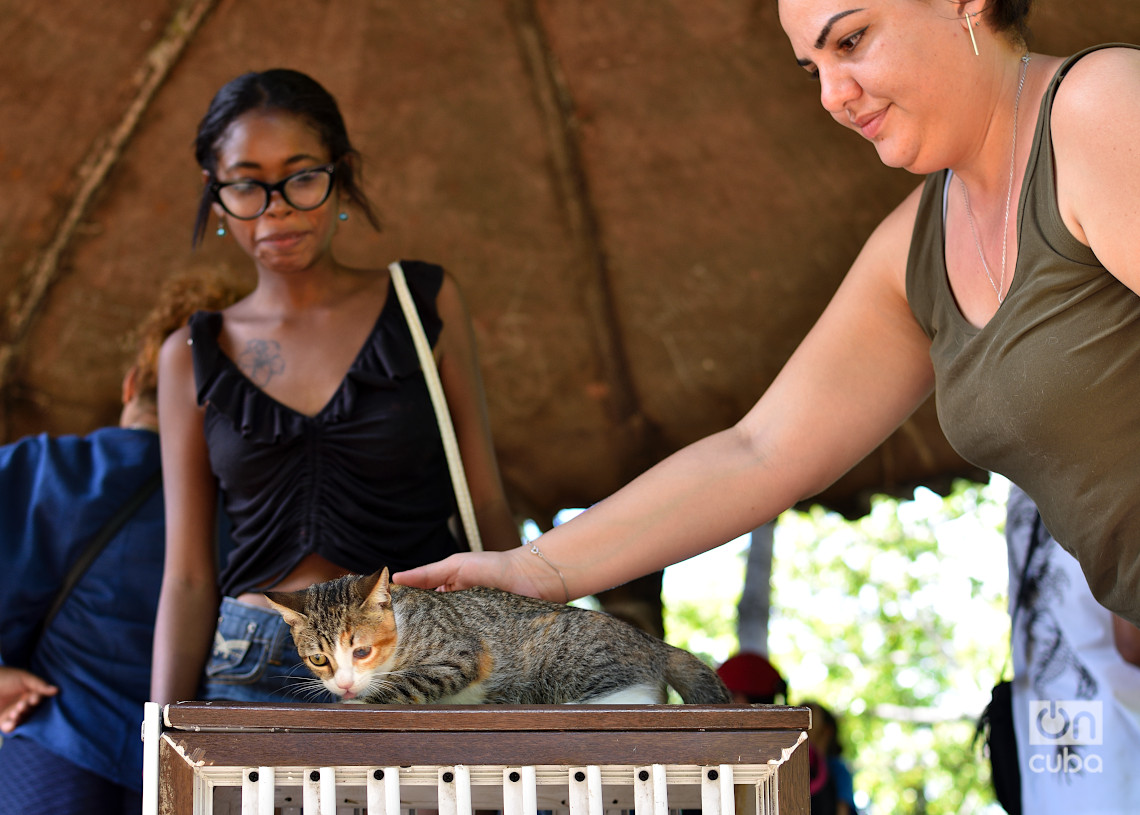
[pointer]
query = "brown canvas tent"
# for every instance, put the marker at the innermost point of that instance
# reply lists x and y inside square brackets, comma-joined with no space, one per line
[643,201]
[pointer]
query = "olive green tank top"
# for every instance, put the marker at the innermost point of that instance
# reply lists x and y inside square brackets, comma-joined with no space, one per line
[1047,393]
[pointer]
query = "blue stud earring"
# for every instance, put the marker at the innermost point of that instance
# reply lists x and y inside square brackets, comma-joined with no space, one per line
[221,230]
[343,216]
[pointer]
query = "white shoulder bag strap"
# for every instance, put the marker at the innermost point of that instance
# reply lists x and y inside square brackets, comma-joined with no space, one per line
[439,402]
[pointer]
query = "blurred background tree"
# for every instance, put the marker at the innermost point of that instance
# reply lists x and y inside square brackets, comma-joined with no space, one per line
[897,622]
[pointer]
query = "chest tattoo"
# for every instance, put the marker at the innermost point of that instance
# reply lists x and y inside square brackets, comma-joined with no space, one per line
[261,361]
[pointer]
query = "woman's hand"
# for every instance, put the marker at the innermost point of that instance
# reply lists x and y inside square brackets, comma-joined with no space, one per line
[20,691]
[516,571]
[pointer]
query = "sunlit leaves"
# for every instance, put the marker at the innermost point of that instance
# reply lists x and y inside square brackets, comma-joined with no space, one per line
[898,623]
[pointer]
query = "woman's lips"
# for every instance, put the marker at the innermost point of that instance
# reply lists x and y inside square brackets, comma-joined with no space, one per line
[282,240]
[870,126]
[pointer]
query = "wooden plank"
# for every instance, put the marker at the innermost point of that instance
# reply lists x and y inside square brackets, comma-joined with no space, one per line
[288,749]
[176,782]
[457,718]
[793,793]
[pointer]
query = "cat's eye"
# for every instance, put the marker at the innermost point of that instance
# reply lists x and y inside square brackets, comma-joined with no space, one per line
[362,652]
[320,660]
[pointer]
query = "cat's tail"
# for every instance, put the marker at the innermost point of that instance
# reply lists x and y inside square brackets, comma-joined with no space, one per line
[696,682]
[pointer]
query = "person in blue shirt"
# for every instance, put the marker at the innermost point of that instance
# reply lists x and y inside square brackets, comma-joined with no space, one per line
[72,691]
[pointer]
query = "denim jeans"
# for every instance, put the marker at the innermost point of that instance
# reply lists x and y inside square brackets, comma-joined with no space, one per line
[254,660]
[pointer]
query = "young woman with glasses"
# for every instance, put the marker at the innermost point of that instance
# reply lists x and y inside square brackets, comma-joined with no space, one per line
[302,406]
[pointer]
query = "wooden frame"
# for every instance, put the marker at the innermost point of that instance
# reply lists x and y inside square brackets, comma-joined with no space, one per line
[195,749]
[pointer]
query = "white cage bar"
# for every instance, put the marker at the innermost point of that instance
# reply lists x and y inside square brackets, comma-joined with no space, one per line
[207,758]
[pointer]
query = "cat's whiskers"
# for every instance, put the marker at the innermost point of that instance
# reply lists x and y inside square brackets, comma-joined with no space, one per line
[296,672]
[382,680]
[306,686]
[310,689]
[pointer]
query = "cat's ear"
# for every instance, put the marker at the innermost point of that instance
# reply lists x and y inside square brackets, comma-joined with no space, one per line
[289,604]
[375,589]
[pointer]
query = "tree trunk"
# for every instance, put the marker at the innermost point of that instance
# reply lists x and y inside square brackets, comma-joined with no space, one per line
[755,599]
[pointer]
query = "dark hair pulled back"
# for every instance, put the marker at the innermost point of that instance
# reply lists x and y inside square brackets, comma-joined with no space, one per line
[291,92]
[1009,16]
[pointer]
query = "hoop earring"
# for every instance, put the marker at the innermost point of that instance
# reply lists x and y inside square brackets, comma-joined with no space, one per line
[970,28]
[343,216]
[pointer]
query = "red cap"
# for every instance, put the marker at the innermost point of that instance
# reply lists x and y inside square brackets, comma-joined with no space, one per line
[751,674]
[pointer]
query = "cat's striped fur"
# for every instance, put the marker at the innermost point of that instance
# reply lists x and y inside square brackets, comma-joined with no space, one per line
[371,641]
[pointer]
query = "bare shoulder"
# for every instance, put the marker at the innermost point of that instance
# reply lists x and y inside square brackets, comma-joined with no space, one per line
[885,253]
[899,223]
[1100,95]
[871,305]
[452,307]
[176,349]
[1101,68]
[1094,123]
[176,385]
[450,301]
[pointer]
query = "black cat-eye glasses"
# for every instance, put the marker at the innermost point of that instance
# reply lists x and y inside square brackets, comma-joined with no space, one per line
[247,199]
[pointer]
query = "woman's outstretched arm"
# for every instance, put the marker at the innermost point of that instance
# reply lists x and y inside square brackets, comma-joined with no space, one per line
[861,371]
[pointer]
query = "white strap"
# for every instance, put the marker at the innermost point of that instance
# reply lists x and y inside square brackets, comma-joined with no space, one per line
[439,402]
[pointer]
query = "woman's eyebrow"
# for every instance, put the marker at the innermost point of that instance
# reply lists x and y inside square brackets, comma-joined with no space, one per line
[302,157]
[253,165]
[823,34]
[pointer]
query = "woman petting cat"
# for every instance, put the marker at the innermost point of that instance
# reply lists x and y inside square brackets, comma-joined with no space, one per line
[1006,283]
[303,403]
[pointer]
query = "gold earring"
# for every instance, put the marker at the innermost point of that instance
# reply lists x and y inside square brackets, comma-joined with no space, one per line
[970,28]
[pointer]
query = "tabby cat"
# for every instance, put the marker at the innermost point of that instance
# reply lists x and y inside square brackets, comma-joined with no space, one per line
[368,640]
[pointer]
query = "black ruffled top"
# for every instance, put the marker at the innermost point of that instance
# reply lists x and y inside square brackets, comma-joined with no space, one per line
[363,483]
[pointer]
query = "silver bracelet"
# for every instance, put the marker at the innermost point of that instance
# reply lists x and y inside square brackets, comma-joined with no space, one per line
[534,550]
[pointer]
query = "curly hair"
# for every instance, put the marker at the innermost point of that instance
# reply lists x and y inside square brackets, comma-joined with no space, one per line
[178,298]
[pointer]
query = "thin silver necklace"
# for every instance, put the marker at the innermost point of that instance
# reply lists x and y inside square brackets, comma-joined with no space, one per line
[1000,284]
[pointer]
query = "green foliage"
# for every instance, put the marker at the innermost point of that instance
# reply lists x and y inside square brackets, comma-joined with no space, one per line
[705,627]
[896,622]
